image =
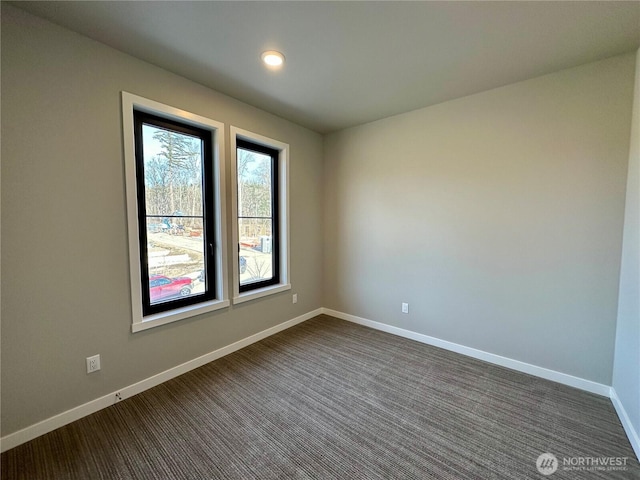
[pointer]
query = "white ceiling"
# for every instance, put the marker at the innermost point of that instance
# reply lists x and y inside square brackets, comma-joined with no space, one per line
[349,63]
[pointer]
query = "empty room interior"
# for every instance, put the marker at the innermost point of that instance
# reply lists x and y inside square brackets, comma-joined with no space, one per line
[368,240]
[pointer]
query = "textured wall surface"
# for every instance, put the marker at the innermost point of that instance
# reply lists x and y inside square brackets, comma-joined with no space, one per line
[626,371]
[497,217]
[65,278]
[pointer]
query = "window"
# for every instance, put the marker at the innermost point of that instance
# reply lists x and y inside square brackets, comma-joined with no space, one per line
[174,202]
[257,215]
[174,182]
[261,210]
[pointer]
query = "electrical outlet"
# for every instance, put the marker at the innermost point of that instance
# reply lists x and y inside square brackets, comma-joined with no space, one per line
[118,396]
[93,364]
[405,308]
[295,298]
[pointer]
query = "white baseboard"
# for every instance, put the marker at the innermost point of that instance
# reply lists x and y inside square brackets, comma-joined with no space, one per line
[634,437]
[21,436]
[17,438]
[563,378]
[517,365]
[541,372]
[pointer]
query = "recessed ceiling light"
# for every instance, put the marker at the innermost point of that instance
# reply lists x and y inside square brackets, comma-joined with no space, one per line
[272,58]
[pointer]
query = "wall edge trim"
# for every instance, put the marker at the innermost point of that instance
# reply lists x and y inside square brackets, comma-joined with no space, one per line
[52,423]
[634,437]
[553,375]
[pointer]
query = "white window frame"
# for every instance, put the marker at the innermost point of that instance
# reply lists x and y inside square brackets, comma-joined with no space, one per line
[140,322]
[283,200]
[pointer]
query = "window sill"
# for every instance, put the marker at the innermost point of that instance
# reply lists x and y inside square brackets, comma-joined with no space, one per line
[178,314]
[261,292]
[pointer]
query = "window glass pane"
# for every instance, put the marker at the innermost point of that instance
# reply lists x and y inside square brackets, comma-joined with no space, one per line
[256,250]
[175,253]
[255,216]
[254,184]
[172,172]
[174,214]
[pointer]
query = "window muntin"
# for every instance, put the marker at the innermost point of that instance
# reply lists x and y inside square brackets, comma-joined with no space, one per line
[175,194]
[257,215]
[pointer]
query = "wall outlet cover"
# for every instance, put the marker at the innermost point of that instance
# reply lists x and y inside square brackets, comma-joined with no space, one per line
[93,364]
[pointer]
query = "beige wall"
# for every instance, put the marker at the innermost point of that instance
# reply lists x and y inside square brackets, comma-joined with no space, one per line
[626,372]
[65,281]
[497,217]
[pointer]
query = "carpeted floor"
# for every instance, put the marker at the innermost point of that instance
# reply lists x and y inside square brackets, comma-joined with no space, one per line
[328,399]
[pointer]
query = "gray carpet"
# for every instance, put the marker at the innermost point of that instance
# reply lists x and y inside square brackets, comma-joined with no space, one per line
[328,399]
